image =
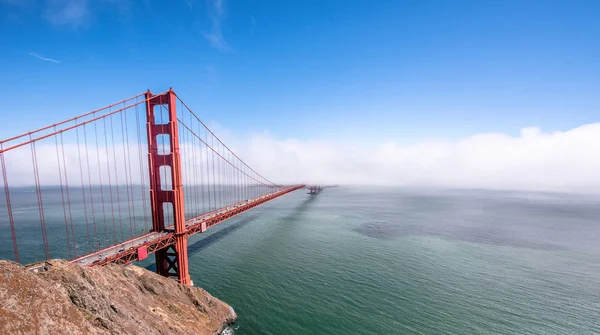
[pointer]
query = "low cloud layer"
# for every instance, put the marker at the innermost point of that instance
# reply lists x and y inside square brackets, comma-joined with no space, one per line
[533,160]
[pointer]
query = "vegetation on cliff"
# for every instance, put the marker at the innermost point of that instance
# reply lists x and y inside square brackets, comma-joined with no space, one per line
[69,299]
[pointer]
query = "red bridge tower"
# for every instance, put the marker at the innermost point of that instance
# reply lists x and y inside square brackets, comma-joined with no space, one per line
[171,261]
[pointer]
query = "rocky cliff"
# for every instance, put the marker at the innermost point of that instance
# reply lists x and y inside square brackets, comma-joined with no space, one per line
[69,299]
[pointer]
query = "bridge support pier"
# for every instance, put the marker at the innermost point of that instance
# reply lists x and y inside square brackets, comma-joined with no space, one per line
[166,189]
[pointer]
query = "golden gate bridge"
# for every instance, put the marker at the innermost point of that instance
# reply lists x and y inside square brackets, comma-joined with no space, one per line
[117,184]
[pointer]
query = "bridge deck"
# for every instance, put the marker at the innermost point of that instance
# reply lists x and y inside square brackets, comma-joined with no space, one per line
[128,251]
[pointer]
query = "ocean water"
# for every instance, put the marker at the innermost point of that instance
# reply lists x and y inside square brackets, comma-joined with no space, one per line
[356,260]
[408,261]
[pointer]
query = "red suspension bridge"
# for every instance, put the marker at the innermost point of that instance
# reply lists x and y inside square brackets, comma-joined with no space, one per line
[119,183]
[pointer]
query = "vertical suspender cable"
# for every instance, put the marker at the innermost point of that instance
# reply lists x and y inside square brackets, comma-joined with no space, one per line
[87,226]
[9,206]
[89,173]
[112,135]
[124,144]
[62,193]
[141,162]
[38,191]
[101,184]
[130,175]
[62,144]
[110,186]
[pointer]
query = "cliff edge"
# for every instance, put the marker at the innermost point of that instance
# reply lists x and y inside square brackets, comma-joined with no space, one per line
[69,299]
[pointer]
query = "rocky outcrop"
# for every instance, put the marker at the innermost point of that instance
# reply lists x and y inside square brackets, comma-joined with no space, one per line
[69,299]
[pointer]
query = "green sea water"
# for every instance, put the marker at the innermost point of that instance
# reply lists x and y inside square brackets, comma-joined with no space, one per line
[359,260]
[407,261]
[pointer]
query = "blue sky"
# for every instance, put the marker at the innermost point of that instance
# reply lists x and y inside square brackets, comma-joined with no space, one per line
[325,70]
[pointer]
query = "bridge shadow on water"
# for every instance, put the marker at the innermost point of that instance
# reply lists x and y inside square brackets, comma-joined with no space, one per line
[299,209]
[211,239]
[215,237]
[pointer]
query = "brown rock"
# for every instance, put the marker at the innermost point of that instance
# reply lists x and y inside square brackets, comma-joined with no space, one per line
[69,299]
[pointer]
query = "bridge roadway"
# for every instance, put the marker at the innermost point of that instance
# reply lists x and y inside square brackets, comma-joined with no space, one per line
[136,248]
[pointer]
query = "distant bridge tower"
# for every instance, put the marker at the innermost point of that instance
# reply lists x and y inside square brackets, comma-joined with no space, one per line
[314,189]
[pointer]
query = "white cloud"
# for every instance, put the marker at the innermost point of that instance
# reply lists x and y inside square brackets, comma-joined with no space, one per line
[557,161]
[73,13]
[215,35]
[43,58]
[67,12]
[533,160]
